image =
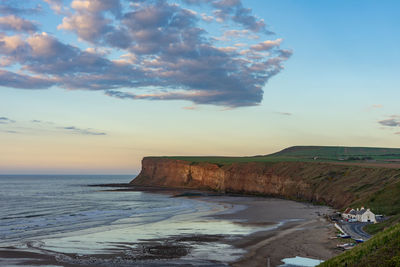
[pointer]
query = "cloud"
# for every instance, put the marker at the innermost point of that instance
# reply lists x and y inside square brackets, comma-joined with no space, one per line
[45,126]
[68,129]
[89,21]
[14,23]
[88,27]
[165,53]
[10,132]
[243,16]
[393,122]
[377,106]
[284,113]
[42,122]
[199,97]
[190,108]
[12,8]
[21,81]
[234,10]
[56,5]
[235,34]
[374,107]
[68,66]
[5,120]
[206,17]
[267,45]
[82,131]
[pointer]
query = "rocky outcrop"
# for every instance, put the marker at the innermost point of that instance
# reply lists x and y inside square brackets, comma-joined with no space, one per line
[335,185]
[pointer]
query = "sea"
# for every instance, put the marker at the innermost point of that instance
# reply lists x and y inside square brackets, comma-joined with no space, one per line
[61,215]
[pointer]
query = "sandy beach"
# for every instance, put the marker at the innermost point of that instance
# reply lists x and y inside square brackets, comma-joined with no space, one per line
[282,229]
[305,233]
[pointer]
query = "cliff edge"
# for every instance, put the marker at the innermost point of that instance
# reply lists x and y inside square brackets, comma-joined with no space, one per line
[332,184]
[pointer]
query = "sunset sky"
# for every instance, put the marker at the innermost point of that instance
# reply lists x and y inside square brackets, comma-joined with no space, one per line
[93,86]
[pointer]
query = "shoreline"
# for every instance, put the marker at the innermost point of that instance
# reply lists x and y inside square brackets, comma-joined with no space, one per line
[301,223]
[307,235]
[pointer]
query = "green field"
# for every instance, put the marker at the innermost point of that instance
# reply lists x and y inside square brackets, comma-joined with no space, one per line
[340,153]
[311,153]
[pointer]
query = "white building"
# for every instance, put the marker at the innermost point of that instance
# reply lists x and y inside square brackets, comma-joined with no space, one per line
[361,215]
[365,215]
[349,214]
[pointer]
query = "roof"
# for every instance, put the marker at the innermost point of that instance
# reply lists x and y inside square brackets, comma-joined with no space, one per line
[347,211]
[361,212]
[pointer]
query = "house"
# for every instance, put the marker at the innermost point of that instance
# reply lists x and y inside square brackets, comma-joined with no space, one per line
[365,215]
[360,215]
[349,214]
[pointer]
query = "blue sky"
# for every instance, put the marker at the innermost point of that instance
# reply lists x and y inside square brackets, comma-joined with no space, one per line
[327,76]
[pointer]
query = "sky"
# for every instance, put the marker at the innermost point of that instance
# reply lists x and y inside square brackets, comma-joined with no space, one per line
[92,87]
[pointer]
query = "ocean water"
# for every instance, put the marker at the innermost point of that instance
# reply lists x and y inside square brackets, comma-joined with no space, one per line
[32,206]
[61,214]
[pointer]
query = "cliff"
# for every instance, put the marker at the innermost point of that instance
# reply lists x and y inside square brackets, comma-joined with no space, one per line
[332,184]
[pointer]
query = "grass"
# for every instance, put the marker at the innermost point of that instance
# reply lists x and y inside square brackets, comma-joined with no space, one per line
[384,201]
[343,153]
[373,229]
[230,160]
[381,250]
[307,153]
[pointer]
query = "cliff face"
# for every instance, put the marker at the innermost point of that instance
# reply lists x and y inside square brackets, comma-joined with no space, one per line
[335,185]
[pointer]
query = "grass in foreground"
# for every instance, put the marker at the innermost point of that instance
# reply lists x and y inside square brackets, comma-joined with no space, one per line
[381,250]
[373,229]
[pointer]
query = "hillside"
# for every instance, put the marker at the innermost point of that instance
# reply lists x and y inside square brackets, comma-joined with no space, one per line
[381,250]
[335,176]
[319,182]
[341,153]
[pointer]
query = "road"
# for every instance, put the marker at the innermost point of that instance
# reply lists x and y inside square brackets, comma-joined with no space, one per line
[355,230]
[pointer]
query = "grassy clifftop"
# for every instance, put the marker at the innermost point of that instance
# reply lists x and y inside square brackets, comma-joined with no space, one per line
[341,153]
[381,250]
[313,153]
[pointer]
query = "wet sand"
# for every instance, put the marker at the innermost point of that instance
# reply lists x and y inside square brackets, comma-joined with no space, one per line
[290,229]
[305,231]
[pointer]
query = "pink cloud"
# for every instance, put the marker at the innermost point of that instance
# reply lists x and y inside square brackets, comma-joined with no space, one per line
[267,45]
[14,23]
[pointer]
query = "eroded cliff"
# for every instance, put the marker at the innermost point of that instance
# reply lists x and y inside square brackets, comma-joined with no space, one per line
[335,185]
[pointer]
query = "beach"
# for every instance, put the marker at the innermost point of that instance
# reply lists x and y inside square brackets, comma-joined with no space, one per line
[305,231]
[61,221]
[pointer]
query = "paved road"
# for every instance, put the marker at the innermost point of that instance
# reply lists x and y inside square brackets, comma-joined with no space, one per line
[355,230]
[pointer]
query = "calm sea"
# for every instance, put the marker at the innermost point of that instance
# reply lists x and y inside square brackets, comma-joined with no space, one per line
[61,213]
